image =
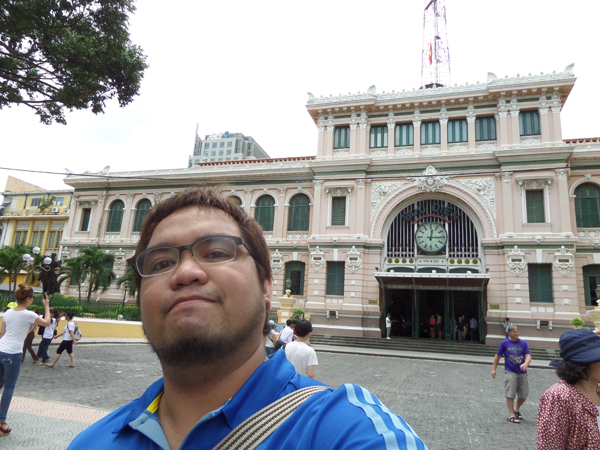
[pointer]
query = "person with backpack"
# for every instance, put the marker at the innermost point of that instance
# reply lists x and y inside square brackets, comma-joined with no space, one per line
[67,343]
[47,334]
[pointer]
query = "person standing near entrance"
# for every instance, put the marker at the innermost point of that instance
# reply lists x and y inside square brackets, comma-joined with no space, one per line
[473,327]
[516,360]
[439,327]
[388,326]
[507,323]
[461,328]
[432,331]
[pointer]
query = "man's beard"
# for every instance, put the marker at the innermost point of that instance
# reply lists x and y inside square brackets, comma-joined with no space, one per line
[193,350]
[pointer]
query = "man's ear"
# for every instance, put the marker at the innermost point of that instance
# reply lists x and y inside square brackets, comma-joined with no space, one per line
[268,292]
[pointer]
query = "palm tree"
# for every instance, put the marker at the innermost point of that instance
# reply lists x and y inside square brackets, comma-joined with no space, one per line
[98,268]
[11,263]
[73,269]
[128,277]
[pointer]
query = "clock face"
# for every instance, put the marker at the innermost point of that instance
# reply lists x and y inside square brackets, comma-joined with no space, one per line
[431,237]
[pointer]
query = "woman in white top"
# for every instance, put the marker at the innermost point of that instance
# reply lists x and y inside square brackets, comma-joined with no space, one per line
[15,326]
[67,343]
[47,337]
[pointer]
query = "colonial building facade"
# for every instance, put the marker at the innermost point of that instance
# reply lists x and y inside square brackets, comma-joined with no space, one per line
[453,201]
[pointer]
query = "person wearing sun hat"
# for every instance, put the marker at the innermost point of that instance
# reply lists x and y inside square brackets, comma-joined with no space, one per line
[569,412]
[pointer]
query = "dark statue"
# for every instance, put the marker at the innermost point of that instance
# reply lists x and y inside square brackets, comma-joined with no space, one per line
[49,275]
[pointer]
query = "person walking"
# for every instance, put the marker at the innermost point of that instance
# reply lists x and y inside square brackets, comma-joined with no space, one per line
[270,339]
[67,343]
[439,327]
[28,343]
[388,326]
[15,326]
[473,325]
[568,412]
[461,330]
[432,322]
[47,337]
[507,324]
[299,353]
[516,360]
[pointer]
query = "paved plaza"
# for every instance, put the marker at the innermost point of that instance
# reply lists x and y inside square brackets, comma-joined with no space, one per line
[451,405]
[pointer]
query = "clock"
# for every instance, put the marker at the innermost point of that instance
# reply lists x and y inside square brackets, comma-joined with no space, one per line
[431,237]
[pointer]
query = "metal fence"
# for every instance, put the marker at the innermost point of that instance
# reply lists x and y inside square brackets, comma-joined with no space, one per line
[63,304]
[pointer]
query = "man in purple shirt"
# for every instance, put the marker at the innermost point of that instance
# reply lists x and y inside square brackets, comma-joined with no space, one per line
[516,360]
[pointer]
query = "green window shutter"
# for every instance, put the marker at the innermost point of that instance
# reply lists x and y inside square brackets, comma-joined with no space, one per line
[85,219]
[485,129]
[115,217]
[142,209]
[529,123]
[299,213]
[338,211]
[430,133]
[404,135]
[341,137]
[457,130]
[587,205]
[335,278]
[535,206]
[540,283]
[378,136]
[265,212]
[294,271]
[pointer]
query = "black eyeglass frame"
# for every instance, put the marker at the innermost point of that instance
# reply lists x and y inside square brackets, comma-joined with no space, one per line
[238,241]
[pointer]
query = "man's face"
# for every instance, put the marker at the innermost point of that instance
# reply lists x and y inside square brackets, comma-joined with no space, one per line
[513,335]
[204,311]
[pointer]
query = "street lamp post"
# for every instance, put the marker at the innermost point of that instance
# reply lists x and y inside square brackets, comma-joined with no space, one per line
[30,262]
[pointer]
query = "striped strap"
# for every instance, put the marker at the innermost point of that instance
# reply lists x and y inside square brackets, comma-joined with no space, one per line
[255,429]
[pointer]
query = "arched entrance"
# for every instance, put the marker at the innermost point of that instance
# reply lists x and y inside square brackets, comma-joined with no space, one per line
[432,264]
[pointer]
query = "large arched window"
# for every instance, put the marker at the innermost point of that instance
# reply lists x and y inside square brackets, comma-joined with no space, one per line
[115,217]
[299,213]
[142,209]
[587,205]
[265,211]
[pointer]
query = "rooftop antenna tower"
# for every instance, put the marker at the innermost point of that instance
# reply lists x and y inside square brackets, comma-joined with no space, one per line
[435,62]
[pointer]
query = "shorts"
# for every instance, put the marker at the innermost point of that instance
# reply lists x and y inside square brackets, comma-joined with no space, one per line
[516,384]
[65,345]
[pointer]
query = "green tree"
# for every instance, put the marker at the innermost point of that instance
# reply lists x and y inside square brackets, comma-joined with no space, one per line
[11,263]
[97,265]
[73,268]
[58,55]
[129,278]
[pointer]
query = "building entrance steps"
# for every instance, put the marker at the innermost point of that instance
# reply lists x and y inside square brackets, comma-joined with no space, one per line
[469,349]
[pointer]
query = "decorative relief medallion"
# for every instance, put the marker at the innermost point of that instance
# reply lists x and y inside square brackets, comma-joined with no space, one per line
[361,183]
[564,261]
[353,261]
[101,197]
[157,196]
[276,261]
[317,185]
[507,176]
[317,259]
[248,193]
[432,181]
[562,174]
[380,191]
[516,261]
[538,238]
[484,187]
[596,243]
[588,177]
[281,191]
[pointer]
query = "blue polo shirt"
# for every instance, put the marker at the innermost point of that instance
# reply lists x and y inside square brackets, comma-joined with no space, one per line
[349,417]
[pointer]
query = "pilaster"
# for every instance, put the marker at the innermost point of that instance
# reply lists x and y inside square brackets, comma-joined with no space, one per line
[417,136]
[545,125]
[514,127]
[391,140]
[443,134]
[471,144]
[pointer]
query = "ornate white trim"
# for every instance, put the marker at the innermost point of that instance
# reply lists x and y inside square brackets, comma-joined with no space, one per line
[486,146]
[341,153]
[507,176]
[516,261]
[455,148]
[379,153]
[380,190]
[276,261]
[484,187]
[564,261]
[538,238]
[404,151]
[339,192]
[535,184]
[432,181]
[530,141]
[430,150]
[282,191]
[317,185]
[353,261]
[562,174]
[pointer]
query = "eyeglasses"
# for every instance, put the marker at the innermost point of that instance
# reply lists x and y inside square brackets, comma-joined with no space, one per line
[209,250]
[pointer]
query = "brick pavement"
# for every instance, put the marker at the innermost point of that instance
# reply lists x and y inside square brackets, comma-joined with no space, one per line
[451,405]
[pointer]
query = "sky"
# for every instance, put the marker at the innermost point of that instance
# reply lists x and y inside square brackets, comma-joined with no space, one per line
[242,66]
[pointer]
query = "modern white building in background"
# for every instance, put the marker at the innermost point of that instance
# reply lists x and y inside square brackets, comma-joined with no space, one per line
[454,200]
[226,147]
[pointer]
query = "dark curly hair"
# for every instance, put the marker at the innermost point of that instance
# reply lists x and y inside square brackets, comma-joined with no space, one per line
[572,372]
[23,293]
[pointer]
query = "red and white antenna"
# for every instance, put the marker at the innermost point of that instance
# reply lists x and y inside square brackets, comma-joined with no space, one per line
[435,64]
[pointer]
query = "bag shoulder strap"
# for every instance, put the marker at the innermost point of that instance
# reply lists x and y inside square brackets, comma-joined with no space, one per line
[255,429]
